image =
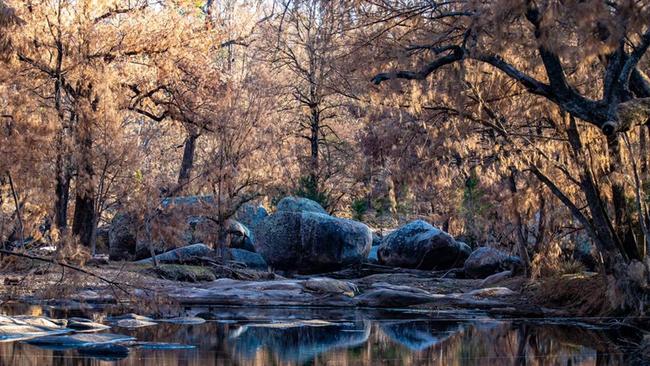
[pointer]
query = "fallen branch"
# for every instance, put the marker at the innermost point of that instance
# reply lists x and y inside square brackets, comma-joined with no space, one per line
[65,265]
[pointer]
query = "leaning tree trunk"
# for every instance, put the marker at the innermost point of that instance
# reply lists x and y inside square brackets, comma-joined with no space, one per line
[623,222]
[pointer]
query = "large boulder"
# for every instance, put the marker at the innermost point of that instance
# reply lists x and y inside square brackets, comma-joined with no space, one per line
[183,221]
[251,214]
[311,242]
[422,246]
[249,259]
[299,204]
[180,255]
[486,261]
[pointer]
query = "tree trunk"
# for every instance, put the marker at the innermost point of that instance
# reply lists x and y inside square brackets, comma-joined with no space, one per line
[622,219]
[62,194]
[188,160]
[520,238]
[84,212]
[314,144]
[82,225]
[604,235]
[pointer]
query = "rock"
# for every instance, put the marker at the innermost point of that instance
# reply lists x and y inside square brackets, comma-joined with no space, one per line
[122,237]
[490,292]
[183,273]
[486,261]
[250,214]
[372,255]
[240,236]
[133,323]
[495,278]
[179,255]
[85,325]
[250,259]
[420,245]
[331,286]
[24,328]
[129,316]
[310,242]
[387,295]
[184,320]
[376,239]
[79,340]
[299,204]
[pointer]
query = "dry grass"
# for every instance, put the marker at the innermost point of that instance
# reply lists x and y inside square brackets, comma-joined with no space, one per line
[580,294]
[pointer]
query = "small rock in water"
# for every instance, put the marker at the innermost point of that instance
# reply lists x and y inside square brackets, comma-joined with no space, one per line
[85,325]
[184,320]
[107,352]
[129,316]
[133,323]
[294,324]
[162,346]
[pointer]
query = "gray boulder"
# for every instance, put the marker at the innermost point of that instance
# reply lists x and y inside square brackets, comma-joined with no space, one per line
[310,242]
[251,214]
[180,255]
[250,259]
[422,246]
[486,261]
[299,204]
[372,255]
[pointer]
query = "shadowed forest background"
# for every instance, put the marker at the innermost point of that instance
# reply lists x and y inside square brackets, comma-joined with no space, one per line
[519,125]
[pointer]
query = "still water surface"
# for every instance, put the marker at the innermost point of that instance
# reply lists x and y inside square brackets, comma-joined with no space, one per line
[286,336]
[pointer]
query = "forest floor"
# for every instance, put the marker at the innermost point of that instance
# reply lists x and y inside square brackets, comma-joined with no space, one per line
[133,286]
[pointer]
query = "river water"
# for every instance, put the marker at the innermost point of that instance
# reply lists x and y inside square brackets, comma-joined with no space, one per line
[320,336]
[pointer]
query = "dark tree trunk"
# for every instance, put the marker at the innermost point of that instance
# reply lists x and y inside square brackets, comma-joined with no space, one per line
[604,235]
[84,212]
[520,238]
[188,159]
[314,144]
[83,217]
[622,220]
[62,195]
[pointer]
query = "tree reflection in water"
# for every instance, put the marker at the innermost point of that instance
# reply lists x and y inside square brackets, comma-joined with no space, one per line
[349,337]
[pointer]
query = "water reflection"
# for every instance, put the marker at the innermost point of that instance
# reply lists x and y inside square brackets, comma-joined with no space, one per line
[345,337]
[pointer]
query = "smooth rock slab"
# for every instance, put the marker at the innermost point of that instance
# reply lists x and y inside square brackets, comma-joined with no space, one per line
[134,323]
[184,320]
[28,327]
[79,340]
[85,325]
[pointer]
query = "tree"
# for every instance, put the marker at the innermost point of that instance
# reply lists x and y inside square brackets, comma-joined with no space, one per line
[487,47]
[306,44]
